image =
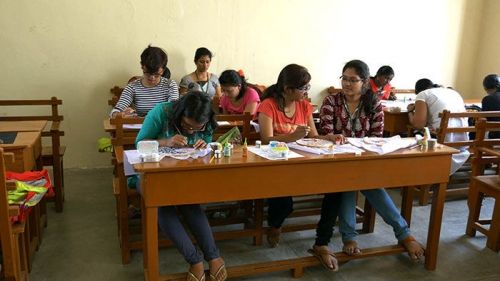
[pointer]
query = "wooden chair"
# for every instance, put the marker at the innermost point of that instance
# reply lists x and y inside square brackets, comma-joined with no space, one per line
[12,243]
[116,92]
[424,193]
[52,155]
[240,120]
[485,152]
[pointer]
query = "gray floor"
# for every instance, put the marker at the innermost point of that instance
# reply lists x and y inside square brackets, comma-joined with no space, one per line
[81,244]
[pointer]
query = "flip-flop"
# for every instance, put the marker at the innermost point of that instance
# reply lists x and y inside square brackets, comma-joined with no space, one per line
[351,244]
[320,253]
[191,277]
[220,275]
[415,250]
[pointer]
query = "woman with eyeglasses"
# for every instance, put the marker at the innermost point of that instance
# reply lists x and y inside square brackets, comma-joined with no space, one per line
[141,95]
[237,96]
[357,112]
[284,115]
[188,121]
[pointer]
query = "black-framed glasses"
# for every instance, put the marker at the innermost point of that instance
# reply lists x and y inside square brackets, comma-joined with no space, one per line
[350,79]
[188,127]
[304,88]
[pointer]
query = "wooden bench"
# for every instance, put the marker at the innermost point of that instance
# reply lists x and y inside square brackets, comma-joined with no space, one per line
[12,244]
[485,152]
[52,155]
[424,192]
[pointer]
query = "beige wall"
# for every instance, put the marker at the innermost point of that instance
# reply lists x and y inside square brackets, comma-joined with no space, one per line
[77,50]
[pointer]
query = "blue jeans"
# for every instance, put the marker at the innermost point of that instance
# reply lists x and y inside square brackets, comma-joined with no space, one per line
[382,203]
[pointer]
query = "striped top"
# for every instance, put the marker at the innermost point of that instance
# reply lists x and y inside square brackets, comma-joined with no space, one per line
[144,98]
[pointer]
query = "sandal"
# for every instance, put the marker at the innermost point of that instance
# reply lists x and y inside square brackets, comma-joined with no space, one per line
[273,236]
[322,253]
[351,248]
[191,277]
[220,275]
[415,250]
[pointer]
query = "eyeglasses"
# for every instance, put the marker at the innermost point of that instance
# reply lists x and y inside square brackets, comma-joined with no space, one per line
[152,75]
[188,127]
[304,88]
[350,80]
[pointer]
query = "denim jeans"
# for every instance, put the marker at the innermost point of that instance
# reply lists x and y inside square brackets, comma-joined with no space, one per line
[382,203]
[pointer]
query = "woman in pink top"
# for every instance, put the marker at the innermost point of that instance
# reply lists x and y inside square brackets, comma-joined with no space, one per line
[237,96]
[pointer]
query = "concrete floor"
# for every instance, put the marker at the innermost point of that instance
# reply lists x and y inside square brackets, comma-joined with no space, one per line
[82,244]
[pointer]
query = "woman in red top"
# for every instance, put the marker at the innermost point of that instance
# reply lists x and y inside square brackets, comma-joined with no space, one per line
[381,83]
[284,115]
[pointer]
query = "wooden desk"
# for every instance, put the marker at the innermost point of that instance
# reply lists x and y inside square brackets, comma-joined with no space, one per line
[396,122]
[23,126]
[338,173]
[27,148]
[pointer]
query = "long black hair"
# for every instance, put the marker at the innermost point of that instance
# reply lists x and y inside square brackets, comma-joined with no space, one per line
[292,76]
[195,105]
[233,78]
[368,98]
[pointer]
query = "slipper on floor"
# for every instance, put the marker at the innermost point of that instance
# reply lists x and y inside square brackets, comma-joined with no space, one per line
[320,254]
[220,275]
[351,248]
[191,277]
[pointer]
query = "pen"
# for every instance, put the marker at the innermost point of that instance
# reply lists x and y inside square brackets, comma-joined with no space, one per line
[211,159]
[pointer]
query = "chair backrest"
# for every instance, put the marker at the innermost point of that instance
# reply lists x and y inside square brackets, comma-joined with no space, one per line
[444,128]
[484,152]
[116,92]
[240,120]
[11,266]
[403,91]
[123,136]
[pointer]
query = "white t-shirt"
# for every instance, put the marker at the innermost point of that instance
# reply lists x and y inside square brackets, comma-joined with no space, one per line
[437,100]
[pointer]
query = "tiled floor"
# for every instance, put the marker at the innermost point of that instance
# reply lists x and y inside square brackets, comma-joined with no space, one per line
[82,244]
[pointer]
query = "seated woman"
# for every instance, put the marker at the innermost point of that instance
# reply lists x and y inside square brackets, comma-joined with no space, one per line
[381,83]
[431,100]
[188,121]
[491,102]
[200,79]
[357,112]
[237,96]
[141,95]
[284,115]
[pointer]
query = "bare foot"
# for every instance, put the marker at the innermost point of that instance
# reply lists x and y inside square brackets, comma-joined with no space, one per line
[415,250]
[351,248]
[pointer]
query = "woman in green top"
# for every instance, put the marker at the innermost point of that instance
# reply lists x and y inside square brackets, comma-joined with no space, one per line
[188,121]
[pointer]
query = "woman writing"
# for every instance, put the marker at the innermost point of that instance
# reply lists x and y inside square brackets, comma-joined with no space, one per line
[188,121]
[237,96]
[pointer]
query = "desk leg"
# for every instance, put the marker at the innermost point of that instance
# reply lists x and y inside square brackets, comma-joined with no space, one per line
[407,203]
[435,226]
[150,242]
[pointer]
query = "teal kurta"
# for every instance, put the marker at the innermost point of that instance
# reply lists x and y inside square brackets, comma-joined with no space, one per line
[156,126]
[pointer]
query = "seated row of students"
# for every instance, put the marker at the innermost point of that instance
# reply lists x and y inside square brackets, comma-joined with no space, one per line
[284,115]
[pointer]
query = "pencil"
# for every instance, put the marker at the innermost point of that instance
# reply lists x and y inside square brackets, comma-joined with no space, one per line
[211,159]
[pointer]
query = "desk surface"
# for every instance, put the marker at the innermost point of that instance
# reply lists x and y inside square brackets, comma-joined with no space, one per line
[22,126]
[252,177]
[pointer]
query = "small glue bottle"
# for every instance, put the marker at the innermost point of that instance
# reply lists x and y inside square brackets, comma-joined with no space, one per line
[245,148]
[427,136]
[227,150]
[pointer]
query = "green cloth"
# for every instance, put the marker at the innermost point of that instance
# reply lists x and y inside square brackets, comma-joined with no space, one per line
[156,126]
[18,196]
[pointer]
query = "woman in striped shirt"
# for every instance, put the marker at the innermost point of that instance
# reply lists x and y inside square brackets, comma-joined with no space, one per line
[143,94]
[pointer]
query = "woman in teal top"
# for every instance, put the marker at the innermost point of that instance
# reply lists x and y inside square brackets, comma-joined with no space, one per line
[189,121]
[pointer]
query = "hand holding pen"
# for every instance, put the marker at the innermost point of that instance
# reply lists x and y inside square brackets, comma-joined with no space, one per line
[175,141]
[199,144]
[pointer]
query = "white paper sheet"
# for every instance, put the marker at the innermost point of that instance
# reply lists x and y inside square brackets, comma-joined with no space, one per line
[263,152]
[132,126]
[382,145]
[337,149]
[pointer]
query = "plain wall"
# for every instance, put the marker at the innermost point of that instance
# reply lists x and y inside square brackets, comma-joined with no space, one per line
[78,50]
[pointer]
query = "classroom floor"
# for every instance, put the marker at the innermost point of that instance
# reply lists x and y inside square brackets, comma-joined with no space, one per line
[82,244]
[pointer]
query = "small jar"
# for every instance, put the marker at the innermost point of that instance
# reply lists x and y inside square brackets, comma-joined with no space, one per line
[258,143]
[227,150]
[217,154]
[273,144]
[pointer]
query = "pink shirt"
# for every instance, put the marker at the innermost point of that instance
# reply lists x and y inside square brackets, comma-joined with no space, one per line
[250,96]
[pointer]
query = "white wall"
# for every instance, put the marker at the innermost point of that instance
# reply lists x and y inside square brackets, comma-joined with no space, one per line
[77,50]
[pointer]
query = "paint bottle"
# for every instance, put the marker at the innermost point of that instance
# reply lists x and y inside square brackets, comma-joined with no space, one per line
[245,149]
[227,150]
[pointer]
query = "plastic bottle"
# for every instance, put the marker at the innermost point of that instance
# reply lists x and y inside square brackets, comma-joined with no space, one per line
[427,136]
[227,150]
